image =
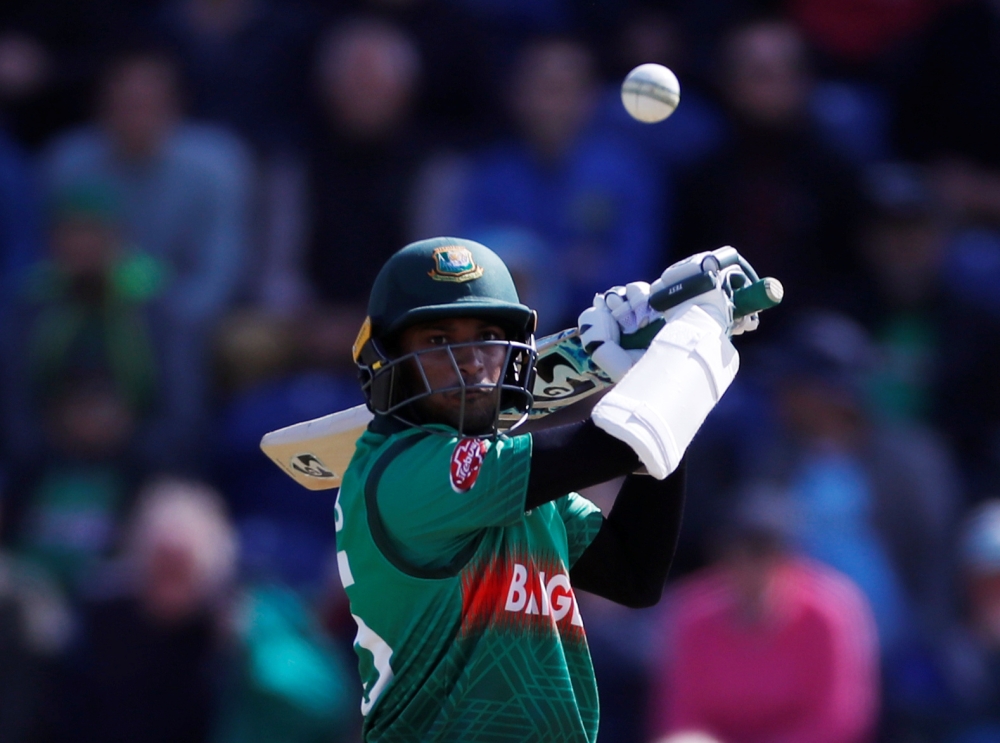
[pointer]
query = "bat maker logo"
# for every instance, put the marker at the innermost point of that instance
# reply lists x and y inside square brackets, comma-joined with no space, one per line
[309,464]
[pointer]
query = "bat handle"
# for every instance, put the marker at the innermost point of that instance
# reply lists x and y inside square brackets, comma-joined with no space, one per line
[759,295]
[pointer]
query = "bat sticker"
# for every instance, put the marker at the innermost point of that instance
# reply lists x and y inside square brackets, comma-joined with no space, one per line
[309,464]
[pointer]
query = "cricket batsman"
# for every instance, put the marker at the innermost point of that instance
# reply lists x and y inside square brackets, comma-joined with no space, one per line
[461,547]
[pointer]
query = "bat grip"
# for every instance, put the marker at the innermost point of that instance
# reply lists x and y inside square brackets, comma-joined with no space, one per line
[759,295]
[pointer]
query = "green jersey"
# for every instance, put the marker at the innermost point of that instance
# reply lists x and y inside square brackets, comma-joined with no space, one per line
[468,629]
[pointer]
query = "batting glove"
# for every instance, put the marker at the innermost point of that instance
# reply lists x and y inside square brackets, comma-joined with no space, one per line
[600,334]
[629,305]
[717,302]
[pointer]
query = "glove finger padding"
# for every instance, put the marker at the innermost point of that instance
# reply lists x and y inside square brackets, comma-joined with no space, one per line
[745,324]
[629,305]
[597,325]
[600,335]
[681,270]
[732,279]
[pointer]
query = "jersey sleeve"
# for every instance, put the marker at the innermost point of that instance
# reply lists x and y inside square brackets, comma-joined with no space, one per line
[437,495]
[582,519]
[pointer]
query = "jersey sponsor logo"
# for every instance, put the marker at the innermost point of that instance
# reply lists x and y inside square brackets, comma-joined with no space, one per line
[454,263]
[309,464]
[466,461]
[532,592]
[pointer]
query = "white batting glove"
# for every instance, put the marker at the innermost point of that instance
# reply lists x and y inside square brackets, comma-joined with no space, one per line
[629,305]
[600,335]
[716,302]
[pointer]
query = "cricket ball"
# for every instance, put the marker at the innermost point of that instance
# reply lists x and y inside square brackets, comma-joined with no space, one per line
[650,93]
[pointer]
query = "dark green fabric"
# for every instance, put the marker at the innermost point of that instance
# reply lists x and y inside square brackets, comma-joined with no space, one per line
[110,334]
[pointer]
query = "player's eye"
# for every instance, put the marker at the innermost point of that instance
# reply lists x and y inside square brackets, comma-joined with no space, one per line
[438,340]
[491,334]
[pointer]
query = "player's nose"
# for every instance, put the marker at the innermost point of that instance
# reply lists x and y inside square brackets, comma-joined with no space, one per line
[470,360]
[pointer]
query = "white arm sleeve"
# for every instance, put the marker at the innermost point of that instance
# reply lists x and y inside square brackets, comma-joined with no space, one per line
[661,402]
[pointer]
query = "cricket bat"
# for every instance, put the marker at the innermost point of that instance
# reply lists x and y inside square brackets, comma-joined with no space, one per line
[315,453]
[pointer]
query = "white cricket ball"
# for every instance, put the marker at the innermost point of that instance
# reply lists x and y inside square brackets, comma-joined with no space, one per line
[650,93]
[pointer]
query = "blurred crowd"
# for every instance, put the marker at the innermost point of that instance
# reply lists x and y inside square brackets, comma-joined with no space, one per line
[195,196]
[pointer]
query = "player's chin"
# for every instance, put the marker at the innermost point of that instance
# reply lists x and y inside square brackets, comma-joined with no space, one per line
[479,416]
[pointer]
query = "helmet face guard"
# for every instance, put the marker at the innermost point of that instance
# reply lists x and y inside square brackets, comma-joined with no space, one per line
[396,386]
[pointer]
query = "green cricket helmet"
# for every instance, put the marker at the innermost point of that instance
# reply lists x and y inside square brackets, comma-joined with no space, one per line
[442,277]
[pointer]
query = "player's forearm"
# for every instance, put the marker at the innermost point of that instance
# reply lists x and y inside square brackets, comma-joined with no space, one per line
[571,457]
[630,558]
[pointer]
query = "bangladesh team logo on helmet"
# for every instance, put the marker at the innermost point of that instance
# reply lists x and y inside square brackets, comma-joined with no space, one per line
[443,277]
[454,263]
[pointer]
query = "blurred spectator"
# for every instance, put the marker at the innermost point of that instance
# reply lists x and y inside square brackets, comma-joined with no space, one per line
[461,59]
[93,309]
[67,508]
[184,187]
[777,192]
[591,199]
[51,52]
[948,112]
[877,500]
[695,129]
[902,298]
[246,63]
[363,159]
[288,682]
[955,137]
[973,657]
[766,645]
[184,192]
[82,386]
[274,372]
[145,667]
[857,36]
[35,626]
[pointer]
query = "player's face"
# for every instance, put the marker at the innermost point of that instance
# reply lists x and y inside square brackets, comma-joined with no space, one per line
[479,365]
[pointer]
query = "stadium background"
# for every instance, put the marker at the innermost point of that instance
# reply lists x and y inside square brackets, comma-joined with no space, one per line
[195,196]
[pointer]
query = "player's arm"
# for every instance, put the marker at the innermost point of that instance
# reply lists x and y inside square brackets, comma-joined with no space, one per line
[630,557]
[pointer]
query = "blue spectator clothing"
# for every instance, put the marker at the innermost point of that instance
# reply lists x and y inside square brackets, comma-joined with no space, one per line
[693,132]
[189,206]
[598,209]
[834,495]
[20,213]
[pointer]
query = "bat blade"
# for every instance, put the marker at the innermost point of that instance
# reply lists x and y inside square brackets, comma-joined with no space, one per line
[315,453]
